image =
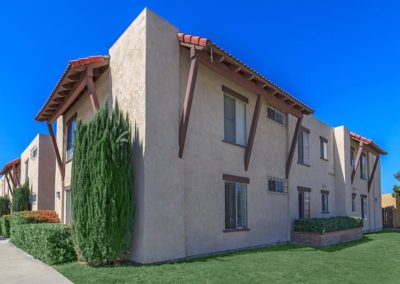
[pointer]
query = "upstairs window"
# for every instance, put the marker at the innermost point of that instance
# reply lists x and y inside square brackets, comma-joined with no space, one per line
[323,148]
[276,184]
[34,152]
[364,207]
[276,115]
[352,156]
[71,125]
[303,146]
[234,121]
[362,166]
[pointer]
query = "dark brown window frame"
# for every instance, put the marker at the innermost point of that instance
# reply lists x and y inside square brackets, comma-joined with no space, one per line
[235,94]
[234,178]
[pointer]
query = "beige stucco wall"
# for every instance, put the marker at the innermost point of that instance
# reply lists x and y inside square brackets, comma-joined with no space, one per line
[319,175]
[179,203]
[41,170]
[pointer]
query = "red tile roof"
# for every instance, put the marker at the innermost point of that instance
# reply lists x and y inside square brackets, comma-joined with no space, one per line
[87,60]
[202,42]
[369,142]
[58,95]
[190,39]
[9,165]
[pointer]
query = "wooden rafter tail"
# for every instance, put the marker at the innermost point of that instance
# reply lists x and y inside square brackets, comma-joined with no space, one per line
[56,151]
[9,185]
[293,146]
[253,129]
[371,179]
[357,161]
[187,105]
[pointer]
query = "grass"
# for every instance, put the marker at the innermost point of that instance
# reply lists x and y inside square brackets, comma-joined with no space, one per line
[373,259]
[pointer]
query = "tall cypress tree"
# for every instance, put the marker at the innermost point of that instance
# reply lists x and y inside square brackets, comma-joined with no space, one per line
[101,187]
[20,198]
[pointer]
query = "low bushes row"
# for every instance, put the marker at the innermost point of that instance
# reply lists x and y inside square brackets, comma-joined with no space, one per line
[51,243]
[324,225]
[26,217]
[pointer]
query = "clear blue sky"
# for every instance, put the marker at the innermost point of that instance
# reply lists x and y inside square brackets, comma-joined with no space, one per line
[340,57]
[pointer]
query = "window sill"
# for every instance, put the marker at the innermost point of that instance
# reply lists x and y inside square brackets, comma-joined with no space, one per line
[235,230]
[68,161]
[307,165]
[234,144]
[325,212]
[324,159]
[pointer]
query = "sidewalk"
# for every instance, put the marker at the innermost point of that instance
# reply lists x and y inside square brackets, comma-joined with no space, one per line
[19,267]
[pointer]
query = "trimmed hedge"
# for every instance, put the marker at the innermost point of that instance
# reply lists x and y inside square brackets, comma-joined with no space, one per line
[325,225]
[26,217]
[50,243]
[5,226]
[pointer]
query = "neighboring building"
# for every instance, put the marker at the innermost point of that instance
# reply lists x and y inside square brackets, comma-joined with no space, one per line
[38,164]
[233,176]
[393,204]
[11,173]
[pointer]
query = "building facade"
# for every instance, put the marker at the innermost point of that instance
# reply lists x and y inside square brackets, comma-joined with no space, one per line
[38,165]
[223,158]
[11,176]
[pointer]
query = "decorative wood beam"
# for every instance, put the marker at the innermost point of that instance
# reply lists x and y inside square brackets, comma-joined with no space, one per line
[253,128]
[357,161]
[92,89]
[373,172]
[293,146]
[9,186]
[73,95]
[12,178]
[56,151]
[249,85]
[187,105]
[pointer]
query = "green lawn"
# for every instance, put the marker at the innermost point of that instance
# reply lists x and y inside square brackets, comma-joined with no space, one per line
[374,259]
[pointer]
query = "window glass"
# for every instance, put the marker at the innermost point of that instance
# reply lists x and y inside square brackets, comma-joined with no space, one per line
[304,203]
[362,166]
[276,115]
[235,205]
[324,148]
[325,202]
[234,121]
[276,184]
[352,156]
[303,147]
[70,138]
[353,202]
[229,119]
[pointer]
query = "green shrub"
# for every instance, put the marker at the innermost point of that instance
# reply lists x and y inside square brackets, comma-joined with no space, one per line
[102,180]
[324,225]
[5,226]
[21,196]
[4,205]
[51,243]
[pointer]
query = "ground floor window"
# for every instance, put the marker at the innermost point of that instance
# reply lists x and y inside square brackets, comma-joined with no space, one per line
[304,202]
[325,201]
[353,202]
[364,207]
[235,205]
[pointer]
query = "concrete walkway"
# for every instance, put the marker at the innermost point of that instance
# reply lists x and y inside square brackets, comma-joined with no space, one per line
[19,267]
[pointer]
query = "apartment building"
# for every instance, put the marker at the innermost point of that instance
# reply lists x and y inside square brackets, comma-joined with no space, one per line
[223,158]
[11,175]
[38,165]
